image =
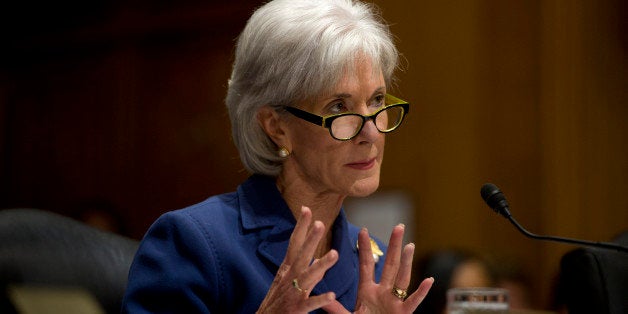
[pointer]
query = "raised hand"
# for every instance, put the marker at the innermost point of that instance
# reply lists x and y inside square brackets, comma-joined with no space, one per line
[297,275]
[390,294]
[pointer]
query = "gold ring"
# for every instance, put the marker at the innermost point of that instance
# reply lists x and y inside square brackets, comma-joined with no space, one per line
[295,284]
[400,293]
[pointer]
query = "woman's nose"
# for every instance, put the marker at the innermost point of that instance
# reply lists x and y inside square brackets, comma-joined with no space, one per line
[369,132]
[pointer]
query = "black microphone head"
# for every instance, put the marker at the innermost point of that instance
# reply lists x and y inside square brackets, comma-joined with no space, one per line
[495,199]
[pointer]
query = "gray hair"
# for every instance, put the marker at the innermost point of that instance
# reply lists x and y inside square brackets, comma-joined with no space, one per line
[293,50]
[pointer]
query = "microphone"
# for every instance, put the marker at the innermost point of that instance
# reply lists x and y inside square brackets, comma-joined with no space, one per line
[496,200]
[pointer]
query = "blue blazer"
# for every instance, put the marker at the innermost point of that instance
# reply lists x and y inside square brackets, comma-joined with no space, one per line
[221,255]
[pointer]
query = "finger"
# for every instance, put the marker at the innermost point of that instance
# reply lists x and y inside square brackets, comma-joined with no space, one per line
[294,245]
[413,301]
[298,235]
[367,264]
[405,267]
[393,256]
[312,275]
[335,307]
[308,247]
[320,301]
[361,309]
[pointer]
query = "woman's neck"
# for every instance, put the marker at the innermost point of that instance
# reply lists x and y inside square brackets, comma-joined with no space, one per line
[325,206]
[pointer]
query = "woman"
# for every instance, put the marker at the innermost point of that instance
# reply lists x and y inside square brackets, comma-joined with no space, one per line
[308,106]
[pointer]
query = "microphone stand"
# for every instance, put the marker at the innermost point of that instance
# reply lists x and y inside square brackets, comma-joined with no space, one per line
[496,200]
[605,245]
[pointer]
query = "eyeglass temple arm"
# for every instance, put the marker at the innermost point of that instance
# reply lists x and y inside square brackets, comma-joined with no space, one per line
[310,117]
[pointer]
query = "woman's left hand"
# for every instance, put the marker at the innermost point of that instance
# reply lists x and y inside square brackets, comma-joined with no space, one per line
[387,296]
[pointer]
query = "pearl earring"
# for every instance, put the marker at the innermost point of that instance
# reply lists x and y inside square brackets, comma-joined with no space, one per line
[283,152]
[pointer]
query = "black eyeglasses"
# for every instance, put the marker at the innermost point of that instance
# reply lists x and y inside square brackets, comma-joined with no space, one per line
[345,126]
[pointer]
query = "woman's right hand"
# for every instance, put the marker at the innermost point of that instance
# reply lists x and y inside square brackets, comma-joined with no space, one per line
[297,274]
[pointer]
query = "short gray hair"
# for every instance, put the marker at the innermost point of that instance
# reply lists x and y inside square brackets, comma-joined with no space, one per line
[293,50]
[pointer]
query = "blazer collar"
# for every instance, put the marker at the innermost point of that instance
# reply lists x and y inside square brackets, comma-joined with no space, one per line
[264,211]
[261,204]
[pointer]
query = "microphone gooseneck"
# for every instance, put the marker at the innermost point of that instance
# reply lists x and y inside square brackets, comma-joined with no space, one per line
[496,200]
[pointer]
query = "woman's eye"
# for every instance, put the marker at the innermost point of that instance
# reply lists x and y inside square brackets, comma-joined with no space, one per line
[338,107]
[378,101]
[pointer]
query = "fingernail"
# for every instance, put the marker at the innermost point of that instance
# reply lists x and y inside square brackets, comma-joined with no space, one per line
[332,296]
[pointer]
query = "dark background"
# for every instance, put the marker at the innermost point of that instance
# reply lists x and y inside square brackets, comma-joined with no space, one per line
[120,104]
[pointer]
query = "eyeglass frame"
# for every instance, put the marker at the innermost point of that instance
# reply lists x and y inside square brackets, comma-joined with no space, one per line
[326,121]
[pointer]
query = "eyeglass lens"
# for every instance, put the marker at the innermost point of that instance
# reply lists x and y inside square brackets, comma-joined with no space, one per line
[348,126]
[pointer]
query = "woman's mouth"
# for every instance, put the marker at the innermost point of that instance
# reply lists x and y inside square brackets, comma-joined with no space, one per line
[362,165]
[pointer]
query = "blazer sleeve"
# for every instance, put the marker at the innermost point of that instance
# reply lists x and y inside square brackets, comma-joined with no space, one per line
[176,269]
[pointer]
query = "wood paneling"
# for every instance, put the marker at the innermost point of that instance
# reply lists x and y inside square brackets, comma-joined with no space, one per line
[582,120]
[529,95]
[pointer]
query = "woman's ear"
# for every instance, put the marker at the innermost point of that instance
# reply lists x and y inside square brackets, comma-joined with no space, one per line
[273,126]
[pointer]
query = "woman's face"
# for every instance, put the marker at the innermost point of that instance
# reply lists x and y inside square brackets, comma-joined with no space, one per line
[347,168]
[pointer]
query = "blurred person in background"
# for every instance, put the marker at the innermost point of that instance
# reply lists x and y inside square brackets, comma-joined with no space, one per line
[451,268]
